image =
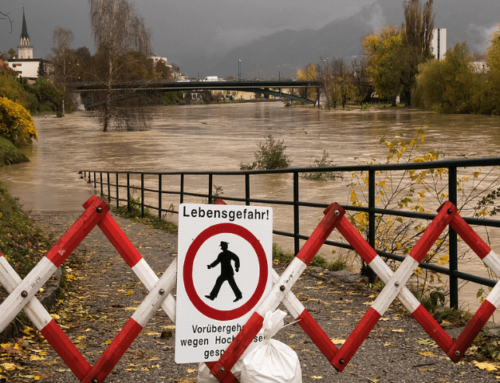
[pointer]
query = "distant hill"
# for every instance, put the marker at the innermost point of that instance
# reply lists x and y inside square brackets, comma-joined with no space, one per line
[285,51]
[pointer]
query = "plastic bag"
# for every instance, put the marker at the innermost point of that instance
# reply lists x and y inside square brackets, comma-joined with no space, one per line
[271,361]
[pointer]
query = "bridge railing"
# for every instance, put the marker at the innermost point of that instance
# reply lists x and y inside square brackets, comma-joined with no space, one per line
[108,183]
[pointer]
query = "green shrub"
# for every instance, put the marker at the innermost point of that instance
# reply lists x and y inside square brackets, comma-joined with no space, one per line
[9,154]
[270,155]
[322,162]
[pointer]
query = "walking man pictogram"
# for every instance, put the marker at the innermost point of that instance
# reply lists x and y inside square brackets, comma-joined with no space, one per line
[227,272]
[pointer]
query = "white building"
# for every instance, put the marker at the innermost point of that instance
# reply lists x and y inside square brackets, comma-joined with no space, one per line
[439,43]
[24,64]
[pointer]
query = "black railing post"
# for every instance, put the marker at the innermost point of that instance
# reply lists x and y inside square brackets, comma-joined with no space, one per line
[89,178]
[100,181]
[117,193]
[296,227]
[371,218]
[247,189]
[128,192]
[142,195]
[109,190]
[210,186]
[182,189]
[452,192]
[95,181]
[159,196]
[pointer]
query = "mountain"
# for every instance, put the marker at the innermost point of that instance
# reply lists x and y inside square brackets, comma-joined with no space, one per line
[288,50]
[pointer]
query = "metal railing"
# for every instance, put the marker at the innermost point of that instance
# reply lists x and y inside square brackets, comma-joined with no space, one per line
[96,177]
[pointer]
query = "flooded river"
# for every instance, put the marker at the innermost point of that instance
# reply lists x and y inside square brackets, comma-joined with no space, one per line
[220,137]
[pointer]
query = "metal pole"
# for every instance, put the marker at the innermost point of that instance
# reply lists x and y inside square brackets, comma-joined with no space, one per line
[182,189]
[128,191]
[159,196]
[210,183]
[452,191]
[247,189]
[117,192]
[100,181]
[109,190]
[296,227]
[95,182]
[142,195]
[89,178]
[371,218]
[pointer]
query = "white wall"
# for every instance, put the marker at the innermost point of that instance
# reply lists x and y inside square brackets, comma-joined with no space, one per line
[28,69]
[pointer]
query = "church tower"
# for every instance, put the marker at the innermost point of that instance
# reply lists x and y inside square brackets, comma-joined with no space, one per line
[24,50]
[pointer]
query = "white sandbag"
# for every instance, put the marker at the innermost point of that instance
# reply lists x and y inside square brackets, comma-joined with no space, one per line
[205,376]
[271,361]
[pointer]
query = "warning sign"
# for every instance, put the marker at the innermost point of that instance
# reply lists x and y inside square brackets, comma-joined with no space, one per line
[224,271]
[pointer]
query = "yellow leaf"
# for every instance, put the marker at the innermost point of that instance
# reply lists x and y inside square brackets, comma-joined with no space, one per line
[1,214]
[368,303]
[171,327]
[400,330]
[191,370]
[106,343]
[153,333]
[55,316]
[87,330]
[485,366]
[8,366]
[338,341]
[427,353]
[316,377]
[130,292]
[36,358]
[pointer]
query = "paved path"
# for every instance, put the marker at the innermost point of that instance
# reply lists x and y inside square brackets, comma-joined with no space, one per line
[106,292]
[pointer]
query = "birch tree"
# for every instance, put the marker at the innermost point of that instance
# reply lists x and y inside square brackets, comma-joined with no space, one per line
[122,44]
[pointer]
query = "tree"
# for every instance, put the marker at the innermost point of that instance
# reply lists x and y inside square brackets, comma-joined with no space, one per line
[307,74]
[163,71]
[416,38]
[383,49]
[12,53]
[41,70]
[358,69]
[122,45]
[63,62]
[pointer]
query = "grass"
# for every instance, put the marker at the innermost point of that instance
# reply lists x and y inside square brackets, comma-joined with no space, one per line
[283,256]
[9,154]
[322,162]
[134,214]
[21,242]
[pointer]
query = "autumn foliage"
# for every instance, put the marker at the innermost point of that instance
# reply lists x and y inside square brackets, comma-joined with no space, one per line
[16,123]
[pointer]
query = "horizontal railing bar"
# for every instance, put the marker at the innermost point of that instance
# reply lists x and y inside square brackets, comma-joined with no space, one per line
[491,161]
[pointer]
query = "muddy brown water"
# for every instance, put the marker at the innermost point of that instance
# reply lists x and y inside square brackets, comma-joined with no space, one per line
[220,137]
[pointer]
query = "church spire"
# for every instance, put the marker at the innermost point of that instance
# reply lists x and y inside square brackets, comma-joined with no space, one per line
[24,33]
[24,50]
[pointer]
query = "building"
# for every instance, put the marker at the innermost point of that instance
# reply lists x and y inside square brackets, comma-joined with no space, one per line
[438,44]
[25,64]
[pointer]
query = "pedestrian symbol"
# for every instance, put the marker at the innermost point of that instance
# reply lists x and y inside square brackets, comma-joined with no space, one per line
[224,271]
[227,273]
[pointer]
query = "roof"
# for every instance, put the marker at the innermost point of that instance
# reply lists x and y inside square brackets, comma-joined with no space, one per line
[24,33]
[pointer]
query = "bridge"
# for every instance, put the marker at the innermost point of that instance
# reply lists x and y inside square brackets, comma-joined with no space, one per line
[267,88]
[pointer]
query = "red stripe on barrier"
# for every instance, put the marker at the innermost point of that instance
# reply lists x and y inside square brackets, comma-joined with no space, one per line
[77,232]
[119,240]
[433,328]
[317,335]
[114,352]
[356,240]
[357,337]
[470,331]
[66,349]
[470,236]
[218,201]
[237,348]
[446,213]
[89,202]
[321,233]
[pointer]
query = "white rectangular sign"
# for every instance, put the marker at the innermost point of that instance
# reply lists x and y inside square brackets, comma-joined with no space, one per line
[224,271]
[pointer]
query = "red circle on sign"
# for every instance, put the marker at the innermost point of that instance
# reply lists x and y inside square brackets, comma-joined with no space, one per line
[224,228]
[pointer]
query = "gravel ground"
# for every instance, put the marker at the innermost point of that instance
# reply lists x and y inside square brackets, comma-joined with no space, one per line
[106,292]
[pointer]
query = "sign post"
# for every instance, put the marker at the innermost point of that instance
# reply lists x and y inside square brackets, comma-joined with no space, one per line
[224,271]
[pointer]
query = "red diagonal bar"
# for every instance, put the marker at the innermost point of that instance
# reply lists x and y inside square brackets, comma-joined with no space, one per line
[446,213]
[77,232]
[470,236]
[317,335]
[66,350]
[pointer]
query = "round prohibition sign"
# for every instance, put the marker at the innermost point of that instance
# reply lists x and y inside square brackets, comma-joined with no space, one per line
[224,228]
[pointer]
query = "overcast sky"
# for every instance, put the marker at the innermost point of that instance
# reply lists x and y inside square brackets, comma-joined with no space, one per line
[179,28]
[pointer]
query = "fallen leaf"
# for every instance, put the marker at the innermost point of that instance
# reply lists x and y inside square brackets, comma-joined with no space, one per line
[485,366]
[316,377]
[8,366]
[400,330]
[427,353]
[338,341]
[191,370]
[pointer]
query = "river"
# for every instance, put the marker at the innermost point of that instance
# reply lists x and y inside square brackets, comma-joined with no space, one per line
[220,137]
